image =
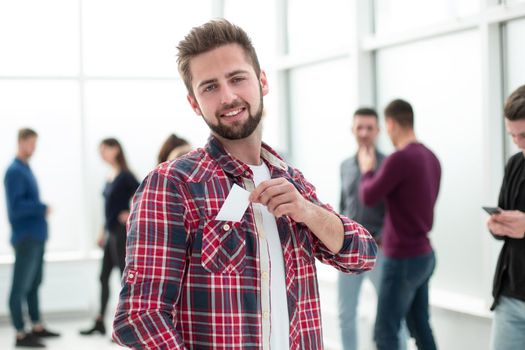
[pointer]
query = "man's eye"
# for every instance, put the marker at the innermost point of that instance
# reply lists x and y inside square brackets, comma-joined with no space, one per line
[237,79]
[209,88]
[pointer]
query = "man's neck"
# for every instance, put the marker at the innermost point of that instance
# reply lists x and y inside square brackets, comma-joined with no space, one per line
[22,157]
[247,150]
[405,139]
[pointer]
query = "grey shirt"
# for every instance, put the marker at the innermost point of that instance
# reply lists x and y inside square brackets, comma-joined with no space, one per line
[350,205]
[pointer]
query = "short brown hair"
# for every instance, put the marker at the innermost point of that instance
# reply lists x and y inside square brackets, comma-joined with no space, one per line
[515,105]
[209,36]
[25,133]
[366,111]
[401,111]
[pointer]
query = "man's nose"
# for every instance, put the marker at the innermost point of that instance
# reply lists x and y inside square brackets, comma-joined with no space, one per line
[227,95]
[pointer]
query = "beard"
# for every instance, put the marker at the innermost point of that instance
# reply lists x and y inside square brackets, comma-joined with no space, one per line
[238,130]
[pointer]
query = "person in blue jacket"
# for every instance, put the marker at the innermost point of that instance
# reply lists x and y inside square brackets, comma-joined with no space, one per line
[27,215]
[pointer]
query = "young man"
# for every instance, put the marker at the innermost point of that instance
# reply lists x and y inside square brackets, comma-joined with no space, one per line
[199,281]
[408,181]
[508,327]
[27,215]
[365,129]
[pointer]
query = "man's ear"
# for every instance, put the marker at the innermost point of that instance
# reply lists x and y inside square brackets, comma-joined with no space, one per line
[194,104]
[264,83]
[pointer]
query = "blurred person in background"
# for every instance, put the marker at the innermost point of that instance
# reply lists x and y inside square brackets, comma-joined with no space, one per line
[365,128]
[508,325]
[172,148]
[408,181]
[27,215]
[120,187]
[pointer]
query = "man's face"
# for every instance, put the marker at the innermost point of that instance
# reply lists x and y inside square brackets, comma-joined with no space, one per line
[365,129]
[516,129]
[227,92]
[27,146]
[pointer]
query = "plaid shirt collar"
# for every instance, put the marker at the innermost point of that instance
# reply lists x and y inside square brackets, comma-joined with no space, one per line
[236,168]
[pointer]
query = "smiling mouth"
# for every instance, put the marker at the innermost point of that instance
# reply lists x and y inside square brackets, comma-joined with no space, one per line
[233,113]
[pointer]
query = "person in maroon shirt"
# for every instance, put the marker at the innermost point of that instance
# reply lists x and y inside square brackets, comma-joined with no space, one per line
[408,181]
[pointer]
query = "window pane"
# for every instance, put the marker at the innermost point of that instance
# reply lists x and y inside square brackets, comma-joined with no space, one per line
[400,15]
[314,26]
[54,114]
[258,19]
[514,58]
[39,37]
[321,130]
[441,78]
[137,37]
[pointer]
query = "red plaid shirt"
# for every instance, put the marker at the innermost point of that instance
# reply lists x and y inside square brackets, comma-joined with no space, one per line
[192,282]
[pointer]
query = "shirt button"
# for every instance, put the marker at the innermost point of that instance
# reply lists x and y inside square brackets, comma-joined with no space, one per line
[266,315]
[226,227]
[265,275]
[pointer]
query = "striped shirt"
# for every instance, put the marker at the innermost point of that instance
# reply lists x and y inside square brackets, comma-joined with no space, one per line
[193,282]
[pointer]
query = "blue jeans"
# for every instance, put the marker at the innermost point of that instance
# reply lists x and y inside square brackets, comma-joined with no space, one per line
[508,325]
[349,287]
[404,295]
[27,276]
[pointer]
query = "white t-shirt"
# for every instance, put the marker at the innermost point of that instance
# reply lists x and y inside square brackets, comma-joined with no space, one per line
[280,323]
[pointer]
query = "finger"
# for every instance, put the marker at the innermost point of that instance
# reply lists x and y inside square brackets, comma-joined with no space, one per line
[263,186]
[284,209]
[279,200]
[274,191]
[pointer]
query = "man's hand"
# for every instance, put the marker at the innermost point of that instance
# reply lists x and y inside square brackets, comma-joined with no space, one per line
[510,223]
[123,217]
[282,198]
[101,239]
[366,157]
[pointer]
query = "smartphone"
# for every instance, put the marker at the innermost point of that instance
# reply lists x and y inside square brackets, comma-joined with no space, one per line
[492,210]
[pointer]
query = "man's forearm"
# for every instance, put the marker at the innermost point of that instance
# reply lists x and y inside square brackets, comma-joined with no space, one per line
[326,226]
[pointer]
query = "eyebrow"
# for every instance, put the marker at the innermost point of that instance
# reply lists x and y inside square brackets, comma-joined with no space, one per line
[229,75]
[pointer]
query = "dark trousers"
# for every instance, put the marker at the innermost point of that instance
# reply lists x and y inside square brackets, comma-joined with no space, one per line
[404,294]
[27,277]
[114,255]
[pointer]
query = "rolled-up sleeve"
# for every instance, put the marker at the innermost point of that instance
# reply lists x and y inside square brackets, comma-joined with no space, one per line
[155,265]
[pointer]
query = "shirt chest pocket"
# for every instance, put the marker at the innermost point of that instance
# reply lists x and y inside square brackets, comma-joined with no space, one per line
[223,247]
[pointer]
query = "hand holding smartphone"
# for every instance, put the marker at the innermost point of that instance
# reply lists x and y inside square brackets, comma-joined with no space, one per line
[492,210]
